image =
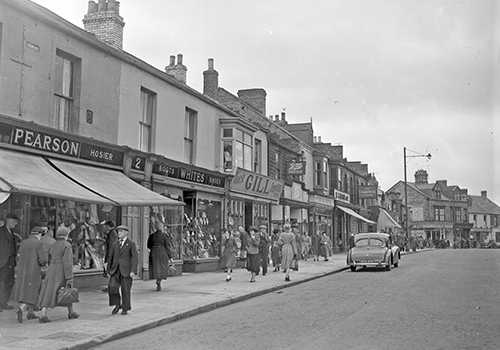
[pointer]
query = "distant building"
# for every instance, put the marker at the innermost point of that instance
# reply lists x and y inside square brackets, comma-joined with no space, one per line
[435,210]
[484,215]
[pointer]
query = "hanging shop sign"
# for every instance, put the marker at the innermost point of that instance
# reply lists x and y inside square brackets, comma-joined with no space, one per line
[248,182]
[367,192]
[296,168]
[192,175]
[58,144]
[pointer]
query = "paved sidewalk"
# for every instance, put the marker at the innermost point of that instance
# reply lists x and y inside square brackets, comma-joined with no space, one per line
[180,297]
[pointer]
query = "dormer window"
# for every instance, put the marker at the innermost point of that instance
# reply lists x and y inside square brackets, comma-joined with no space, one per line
[437,193]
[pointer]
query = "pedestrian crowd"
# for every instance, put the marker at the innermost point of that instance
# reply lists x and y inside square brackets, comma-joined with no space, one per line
[40,266]
[35,270]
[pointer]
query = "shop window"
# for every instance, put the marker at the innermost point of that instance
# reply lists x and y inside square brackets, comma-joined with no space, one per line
[172,218]
[319,174]
[64,89]
[148,111]
[189,136]
[202,232]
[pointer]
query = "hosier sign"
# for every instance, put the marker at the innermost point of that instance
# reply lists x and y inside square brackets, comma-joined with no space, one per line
[255,184]
[58,144]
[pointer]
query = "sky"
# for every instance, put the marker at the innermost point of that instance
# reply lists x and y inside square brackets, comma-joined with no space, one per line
[375,76]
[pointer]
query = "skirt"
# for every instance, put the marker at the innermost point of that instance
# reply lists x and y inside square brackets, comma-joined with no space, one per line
[253,263]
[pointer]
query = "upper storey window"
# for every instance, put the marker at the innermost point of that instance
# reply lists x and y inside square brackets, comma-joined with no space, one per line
[64,90]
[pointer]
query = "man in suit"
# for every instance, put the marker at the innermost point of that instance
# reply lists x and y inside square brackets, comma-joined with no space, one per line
[264,248]
[122,267]
[8,252]
[108,229]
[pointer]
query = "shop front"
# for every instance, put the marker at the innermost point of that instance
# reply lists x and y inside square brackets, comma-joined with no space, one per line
[249,201]
[197,235]
[54,179]
[293,207]
[321,216]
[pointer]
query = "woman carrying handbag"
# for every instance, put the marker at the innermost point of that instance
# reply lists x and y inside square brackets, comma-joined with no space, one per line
[59,274]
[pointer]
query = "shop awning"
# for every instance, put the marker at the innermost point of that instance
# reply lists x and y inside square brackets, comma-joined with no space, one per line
[385,220]
[113,185]
[31,174]
[356,215]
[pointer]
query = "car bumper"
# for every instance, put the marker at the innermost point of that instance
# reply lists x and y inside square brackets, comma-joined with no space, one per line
[369,263]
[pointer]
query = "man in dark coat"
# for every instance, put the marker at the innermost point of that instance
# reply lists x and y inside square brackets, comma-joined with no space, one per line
[108,229]
[316,245]
[8,252]
[352,244]
[122,267]
[264,248]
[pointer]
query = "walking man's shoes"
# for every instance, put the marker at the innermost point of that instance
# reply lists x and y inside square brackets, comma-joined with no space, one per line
[19,314]
[116,309]
[7,307]
[124,312]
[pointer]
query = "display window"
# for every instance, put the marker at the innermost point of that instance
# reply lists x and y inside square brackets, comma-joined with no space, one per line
[172,218]
[202,227]
[85,237]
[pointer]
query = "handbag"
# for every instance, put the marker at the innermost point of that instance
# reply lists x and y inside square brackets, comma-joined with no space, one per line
[66,296]
[294,265]
[171,271]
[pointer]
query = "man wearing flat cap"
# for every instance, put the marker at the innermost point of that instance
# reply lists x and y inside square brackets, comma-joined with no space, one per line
[8,252]
[264,248]
[122,267]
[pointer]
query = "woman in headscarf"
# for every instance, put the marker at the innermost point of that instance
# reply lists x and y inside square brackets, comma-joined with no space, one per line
[159,254]
[59,274]
[229,249]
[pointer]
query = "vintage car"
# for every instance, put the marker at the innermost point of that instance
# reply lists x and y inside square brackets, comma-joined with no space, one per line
[374,249]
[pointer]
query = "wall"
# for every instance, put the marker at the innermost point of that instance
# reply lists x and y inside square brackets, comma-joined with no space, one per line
[26,85]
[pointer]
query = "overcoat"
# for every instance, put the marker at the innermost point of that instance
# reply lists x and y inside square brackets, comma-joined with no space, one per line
[288,249]
[6,241]
[229,253]
[60,259]
[29,276]
[124,258]
[159,255]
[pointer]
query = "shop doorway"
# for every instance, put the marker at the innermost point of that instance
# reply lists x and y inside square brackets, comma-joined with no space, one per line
[248,215]
[131,218]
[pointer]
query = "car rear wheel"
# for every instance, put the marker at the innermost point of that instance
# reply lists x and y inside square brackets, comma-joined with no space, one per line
[353,268]
[396,264]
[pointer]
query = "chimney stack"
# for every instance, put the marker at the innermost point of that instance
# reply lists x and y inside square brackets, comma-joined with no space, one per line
[319,139]
[254,97]
[276,118]
[104,21]
[178,71]
[421,177]
[211,80]
[484,194]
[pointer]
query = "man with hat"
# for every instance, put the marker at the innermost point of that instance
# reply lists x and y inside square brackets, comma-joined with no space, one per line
[8,252]
[264,248]
[122,267]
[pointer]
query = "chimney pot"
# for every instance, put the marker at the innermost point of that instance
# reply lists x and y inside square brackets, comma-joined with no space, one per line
[319,139]
[92,7]
[314,139]
[484,194]
[179,59]
[210,63]
[101,7]
[111,5]
[172,60]
[283,116]
[276,118]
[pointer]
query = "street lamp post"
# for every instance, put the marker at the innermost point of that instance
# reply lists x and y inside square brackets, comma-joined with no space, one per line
[428,156]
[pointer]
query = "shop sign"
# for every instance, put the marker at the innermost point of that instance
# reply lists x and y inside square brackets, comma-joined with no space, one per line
[296,168]
[341,196]
[139,163]
[256,184]
[43,141]
[367,192]
[190,175]
[321,200]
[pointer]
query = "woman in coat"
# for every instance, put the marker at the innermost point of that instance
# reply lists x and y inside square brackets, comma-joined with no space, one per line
[59,274]
[29,274]
[288,249]
[276,249]
[159,255]
[229,249]
[253,260]
[324,246]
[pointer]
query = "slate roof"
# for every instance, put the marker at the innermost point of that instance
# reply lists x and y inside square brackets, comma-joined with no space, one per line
[483,205]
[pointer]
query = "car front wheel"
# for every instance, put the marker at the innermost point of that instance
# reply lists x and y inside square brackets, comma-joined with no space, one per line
[353,268]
